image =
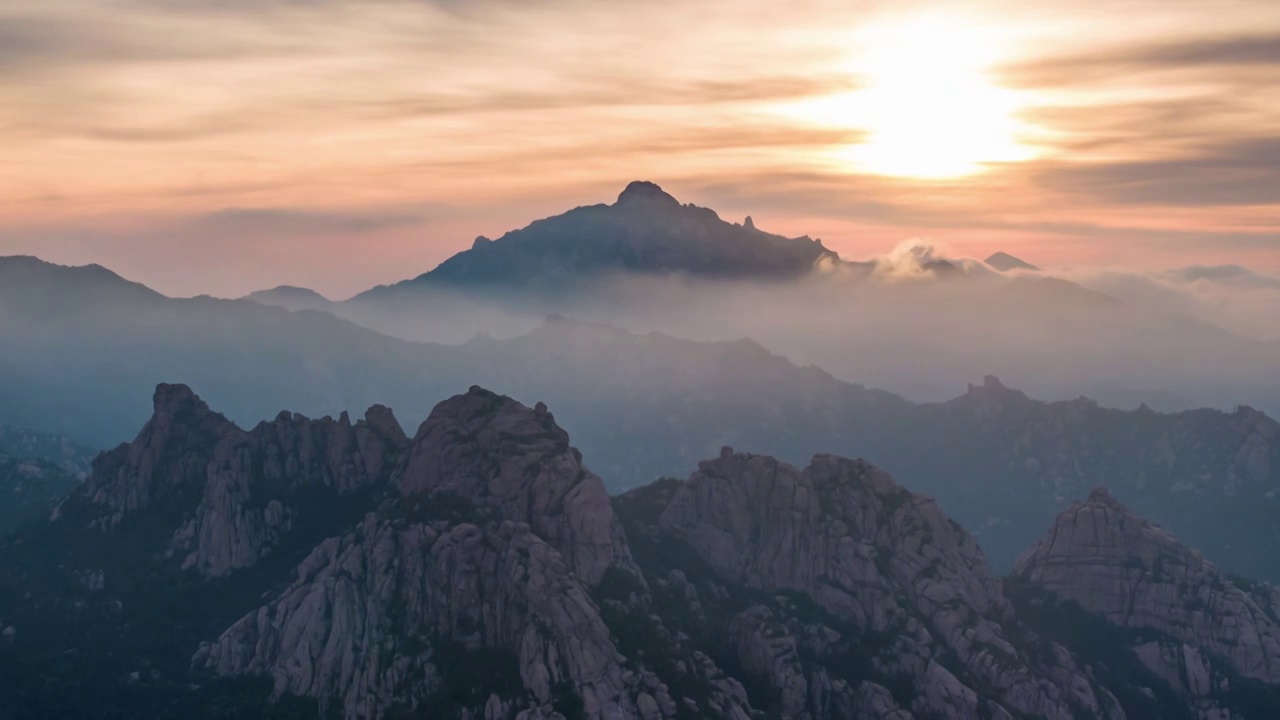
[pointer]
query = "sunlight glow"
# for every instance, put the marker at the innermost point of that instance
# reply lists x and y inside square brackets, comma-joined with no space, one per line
[927,104]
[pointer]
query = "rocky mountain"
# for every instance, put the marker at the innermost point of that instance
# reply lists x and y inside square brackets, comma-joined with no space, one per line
[648,405]
[1004,262]
[646,232]
[493,541]
[238,493]
[319,568]
[1211,637]
[841,594]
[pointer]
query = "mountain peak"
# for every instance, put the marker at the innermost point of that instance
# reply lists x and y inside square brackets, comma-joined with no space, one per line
[169,400]
[1004,262]
[1135,574]
[642,193]
[516,461]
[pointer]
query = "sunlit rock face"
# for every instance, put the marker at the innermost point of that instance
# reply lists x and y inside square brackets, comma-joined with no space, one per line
[1137,575]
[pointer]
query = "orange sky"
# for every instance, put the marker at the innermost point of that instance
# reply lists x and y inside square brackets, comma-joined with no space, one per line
[339,145]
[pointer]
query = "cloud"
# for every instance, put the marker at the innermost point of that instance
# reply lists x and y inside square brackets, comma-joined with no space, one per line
[1233,297]
[1200,53]
[288,221]
[1224,274]
[1243,171]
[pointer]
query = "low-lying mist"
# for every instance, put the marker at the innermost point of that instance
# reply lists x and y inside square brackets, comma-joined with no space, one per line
[923,323]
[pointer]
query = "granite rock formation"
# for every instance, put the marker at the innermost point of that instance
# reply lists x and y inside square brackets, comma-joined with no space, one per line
[232,494]
[1199,629]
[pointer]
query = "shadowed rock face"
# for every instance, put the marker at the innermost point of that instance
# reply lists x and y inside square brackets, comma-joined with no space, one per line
[1135,574]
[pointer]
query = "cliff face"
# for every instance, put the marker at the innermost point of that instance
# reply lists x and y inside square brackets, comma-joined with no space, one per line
[494,544]
[516,462]
[1204,627]
[480,570]
[375,619]
[230,494]
[886,569]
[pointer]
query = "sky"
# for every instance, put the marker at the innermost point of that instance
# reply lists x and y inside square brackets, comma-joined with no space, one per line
[223,147]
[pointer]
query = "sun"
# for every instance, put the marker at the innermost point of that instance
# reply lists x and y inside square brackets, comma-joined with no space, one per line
[926,103]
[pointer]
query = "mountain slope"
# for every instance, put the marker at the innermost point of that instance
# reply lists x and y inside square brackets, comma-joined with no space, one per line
[94,345]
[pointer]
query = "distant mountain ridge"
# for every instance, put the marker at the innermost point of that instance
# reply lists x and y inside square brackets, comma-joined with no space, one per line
[291,298]
[646,231]
[647,405]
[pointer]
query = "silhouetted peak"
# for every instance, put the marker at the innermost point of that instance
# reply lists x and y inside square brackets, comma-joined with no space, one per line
[645,193]
[169,400]
[992,391]
[748,223]
[480,241]
[291,290]
[1005,262]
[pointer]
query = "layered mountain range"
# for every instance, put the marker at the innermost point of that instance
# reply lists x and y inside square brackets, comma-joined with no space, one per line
[479,569]
[642,406]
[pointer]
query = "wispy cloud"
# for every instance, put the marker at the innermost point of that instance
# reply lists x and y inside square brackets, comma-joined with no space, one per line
[1243,171]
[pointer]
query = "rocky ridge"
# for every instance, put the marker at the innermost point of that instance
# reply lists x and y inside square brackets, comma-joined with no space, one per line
[1207,629]
[232,494]
[879,562]
[480,570]
[494,544]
